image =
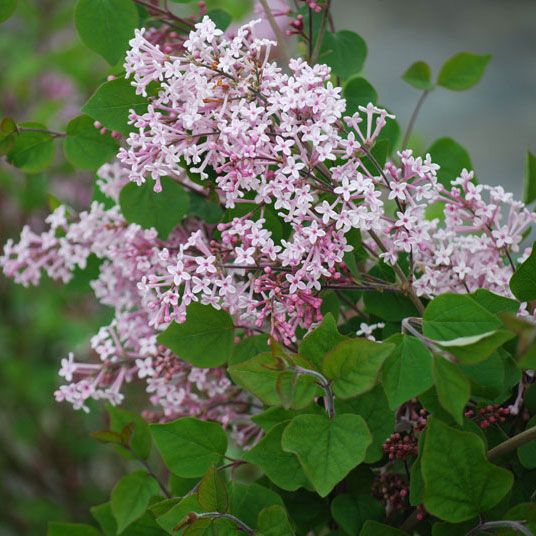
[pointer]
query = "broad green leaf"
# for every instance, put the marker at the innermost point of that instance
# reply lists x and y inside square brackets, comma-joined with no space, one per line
[416,484]
[358,92]
[212,492]
[328,449]
[106,26]
[529,194]
[249,347]
[270,417]
[523,282]
[140,441]
[204,208]
[282,468]
[85,147]
[180,486]
[169,520]
[321,340]
[488,377]
[273,521]
[453,388]
[407,372]
[389,306]
[31,151]
[527,452]
[130,497]
[373,528]
[494,303]
[212,527]
[190,446]
[345,52]
[462,71]
[374,409]
[459,481]
[102,513]
[7,8]
[247,501]
[351,512]
[451,316]
[162,210]
[204,340]
[419,76]
[354,366]
[71,529]
[264,376]
[112,102]
[452,158]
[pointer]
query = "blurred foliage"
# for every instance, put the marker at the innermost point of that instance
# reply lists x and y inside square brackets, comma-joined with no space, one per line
[48,467]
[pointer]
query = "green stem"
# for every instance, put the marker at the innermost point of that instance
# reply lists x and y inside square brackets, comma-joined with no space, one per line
[219,515]
[512,443]
[413,118]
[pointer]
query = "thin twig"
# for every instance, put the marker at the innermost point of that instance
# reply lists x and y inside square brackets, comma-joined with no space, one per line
[281,43]
[413,118]
[515,525]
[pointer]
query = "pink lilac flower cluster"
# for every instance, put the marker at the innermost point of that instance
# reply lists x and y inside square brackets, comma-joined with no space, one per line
[281,143]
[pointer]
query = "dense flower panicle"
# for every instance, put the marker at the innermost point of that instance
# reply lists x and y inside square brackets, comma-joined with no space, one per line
[281,144]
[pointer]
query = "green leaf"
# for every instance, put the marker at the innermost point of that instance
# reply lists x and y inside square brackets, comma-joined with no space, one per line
[31,152]
[247,501]
[71,529]
[264,376]
[321,340]
[462,71]
[162,210]
[282,468]
[106,26]
[328,449]
[460,324]
[354,366]
[452,158]
[373,528]
[112,102]
[190,446]
[85,147]
[102,513]
[140,441]
[523,282]
[345,52]
[358,92]
[529,194]
[407,372]
[7,8]
[206,338]
[459,481]
[169,520]
[130,497]
[249,347]
[212,527]
[212,492]
[419,76]
[273,521]
[494,303]
[389,306]
[351,512]
[453,388]
[527,452]
[221,18]
[374,409]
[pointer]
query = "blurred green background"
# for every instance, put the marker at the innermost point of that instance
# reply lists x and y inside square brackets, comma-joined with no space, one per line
[49,467]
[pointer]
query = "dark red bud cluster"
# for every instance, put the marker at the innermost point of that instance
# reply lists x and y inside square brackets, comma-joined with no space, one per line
[392,491]
[401,445]
[488,415]
[296,26]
